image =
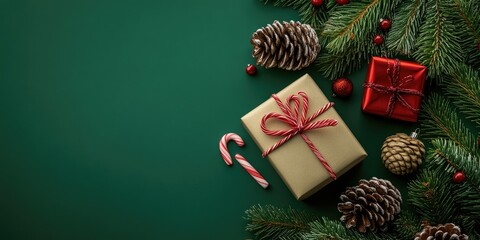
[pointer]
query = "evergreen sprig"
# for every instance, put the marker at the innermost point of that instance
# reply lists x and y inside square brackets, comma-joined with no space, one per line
[474,58]
[430,194]
[407,225]
[269,222]
[439,120]
[344,63]
[440,200]
[439,34]
[469,19]
[355,22]
[463,88]
[450,158]
[439,46]
[326,229]
[404,32]
[308,14]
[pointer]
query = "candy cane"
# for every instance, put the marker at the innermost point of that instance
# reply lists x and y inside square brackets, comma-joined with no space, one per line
[254,173]
[245,164]
[223,146]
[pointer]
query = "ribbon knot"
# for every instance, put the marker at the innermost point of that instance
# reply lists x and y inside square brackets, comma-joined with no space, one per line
[299,123]
[396,89]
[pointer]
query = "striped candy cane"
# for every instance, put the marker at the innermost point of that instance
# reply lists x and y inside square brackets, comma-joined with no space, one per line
[223,146]
[254,173]
[245,164]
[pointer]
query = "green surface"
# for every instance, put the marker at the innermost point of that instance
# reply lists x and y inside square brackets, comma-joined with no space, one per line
[111,113]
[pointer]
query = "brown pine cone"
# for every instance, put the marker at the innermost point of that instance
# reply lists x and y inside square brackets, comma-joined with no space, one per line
[371,205]
[288,45]
[448,231]
[402,154]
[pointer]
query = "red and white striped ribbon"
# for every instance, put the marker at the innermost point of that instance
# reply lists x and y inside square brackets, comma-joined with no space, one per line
[298,124]
[245,164]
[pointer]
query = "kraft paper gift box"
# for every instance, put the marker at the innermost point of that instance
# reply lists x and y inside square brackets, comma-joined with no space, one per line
[295,161]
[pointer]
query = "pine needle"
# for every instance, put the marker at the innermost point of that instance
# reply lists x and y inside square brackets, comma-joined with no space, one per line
[408,20]
[269,222]
[438,45]
[326,229]
[444,160]
[430,194]
[463,88]
[439,120]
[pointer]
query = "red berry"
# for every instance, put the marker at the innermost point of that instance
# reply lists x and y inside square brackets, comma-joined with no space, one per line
[342,2]
[385,24]
[458,177]
[342,87]
[378,39]
[317,3]
[251,70]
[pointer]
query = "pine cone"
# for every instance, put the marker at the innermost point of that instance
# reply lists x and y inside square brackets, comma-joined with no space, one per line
[288,45]
[370,205]
[441,232]
[402,154]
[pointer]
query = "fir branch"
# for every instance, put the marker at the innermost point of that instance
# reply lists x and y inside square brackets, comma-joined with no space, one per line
[406,26]
[468,28]
[438,119]
[430,194]
[474,58]
[355,22]
[407,225]
[308,14]
[463,88]
[447,157]
[338,65]
[438,44]
[269,222]
[286,3]
[326,229]
[468,11]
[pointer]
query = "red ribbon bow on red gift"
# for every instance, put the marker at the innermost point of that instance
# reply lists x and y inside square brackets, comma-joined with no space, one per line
[299,124]
[396,89]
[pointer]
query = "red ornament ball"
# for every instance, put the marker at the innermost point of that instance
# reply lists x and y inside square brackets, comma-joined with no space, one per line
[458,177]
[251,70]
[342,2]
[317,3]
[385,24]
[342,87]
[378,39]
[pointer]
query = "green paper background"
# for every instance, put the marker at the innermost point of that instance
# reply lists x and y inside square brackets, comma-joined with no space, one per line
[111,113]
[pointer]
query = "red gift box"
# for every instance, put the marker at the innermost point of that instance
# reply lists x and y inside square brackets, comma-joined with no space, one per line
[394,88]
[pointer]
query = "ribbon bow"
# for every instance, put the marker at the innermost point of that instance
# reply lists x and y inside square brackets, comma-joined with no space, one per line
[299,123]
[396,89]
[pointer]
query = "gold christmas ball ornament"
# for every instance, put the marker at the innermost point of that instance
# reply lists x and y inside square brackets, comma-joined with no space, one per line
[402,154]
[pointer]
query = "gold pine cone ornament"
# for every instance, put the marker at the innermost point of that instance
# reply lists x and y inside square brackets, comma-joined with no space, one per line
[402,154]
